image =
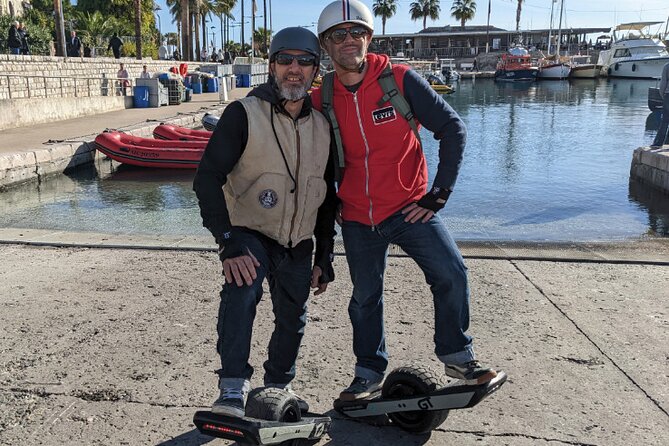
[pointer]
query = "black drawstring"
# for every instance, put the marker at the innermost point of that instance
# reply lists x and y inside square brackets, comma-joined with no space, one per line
[281,149]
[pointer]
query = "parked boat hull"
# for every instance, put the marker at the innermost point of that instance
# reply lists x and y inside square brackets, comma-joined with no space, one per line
[554,71]
[528,74]
[176,133]
[586,71]
[638,69]
[146,152]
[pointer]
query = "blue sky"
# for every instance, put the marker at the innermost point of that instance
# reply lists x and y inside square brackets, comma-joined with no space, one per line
[536,14]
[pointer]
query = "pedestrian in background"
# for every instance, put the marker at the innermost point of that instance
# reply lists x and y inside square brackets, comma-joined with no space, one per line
[123,82]
[24,34]
[115,44]
[662,136]
[145,73]
[74,45]
[14,39]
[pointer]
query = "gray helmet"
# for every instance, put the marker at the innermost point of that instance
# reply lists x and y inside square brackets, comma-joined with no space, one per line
[295,38]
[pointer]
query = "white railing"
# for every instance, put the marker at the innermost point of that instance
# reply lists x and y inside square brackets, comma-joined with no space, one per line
[22,86]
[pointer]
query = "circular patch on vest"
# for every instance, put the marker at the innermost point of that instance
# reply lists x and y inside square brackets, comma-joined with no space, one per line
[268,198]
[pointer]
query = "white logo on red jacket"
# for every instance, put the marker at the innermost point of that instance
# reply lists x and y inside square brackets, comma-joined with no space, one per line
[383,115]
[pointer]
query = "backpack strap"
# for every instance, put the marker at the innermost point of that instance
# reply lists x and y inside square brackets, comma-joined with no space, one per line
[392,93]
[327,97]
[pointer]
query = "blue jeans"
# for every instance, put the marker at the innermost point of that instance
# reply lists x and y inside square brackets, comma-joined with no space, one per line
[662,137]
[15,51]
[289,281]
[432,248]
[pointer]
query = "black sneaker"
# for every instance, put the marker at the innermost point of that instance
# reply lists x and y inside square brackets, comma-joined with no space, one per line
[471,372]
[360,388]
[231,402]
[301,402]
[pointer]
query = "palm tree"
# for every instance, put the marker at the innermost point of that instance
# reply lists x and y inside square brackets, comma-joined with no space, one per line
[518,10]
[463,10]
[260,39]
[138,28]
[185,30]
[224,9]
[384,9]
[424,9]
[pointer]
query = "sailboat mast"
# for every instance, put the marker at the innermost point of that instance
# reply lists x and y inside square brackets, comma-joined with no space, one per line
[559,41]
[550,28]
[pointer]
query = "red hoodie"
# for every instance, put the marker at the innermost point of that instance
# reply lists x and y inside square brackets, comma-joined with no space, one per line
[385,166]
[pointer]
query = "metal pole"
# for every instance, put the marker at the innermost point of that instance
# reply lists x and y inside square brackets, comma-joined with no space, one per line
[253,28]
[487,30]
[560,29]
[264,18]
[241,44]
[550,30]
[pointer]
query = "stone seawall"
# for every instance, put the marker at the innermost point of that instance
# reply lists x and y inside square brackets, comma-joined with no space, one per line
[38,89]
[651,166]
[14,70]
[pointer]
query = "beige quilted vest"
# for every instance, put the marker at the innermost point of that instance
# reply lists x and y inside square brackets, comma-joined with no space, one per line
[258,190]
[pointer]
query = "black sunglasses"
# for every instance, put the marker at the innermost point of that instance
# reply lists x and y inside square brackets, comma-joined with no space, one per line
[303,60]
[356,32]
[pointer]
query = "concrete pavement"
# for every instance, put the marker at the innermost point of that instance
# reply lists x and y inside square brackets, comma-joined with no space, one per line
[117,346]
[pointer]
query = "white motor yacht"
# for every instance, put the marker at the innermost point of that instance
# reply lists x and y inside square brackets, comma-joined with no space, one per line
[635,55]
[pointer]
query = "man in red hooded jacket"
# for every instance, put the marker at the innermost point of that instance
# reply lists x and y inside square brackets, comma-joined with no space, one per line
[384,197]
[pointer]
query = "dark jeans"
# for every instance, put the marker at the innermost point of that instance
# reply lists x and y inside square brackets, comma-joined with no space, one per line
[662,137]
[289,281]
[432,248]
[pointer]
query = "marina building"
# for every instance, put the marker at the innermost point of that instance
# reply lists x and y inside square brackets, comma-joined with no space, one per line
[470,41]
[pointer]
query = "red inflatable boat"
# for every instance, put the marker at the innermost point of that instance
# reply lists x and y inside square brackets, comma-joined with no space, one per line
[148,152]
[176,133]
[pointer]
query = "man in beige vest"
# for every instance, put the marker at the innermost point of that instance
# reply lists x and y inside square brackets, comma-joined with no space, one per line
[265,187]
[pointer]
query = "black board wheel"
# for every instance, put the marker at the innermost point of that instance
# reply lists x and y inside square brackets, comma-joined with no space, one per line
[273,405]
[410,381]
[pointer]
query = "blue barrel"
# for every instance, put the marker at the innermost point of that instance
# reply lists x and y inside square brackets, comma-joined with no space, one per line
[212,85]
[141,99]
[187,82]
[197,87]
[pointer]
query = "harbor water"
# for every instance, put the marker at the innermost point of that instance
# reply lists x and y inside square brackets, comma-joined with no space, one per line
[545,161]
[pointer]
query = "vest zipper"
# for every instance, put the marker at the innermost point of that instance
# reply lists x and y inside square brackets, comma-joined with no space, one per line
[297,176]
[364,138]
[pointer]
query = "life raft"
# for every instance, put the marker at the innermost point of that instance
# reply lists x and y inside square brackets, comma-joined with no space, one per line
[176,133]
[147,152]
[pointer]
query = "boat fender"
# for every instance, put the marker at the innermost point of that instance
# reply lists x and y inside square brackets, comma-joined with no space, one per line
[616,66]
[609,70]
[633,67]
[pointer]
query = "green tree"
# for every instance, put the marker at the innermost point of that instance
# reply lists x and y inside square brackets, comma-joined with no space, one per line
[518,11]
[463,10]
[384,9]
[260,38]
[422,9]
[223,8]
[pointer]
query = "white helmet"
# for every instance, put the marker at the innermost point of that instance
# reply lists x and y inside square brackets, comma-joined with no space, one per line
[345,11]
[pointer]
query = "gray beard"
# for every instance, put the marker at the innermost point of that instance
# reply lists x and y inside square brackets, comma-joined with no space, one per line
[292,93]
